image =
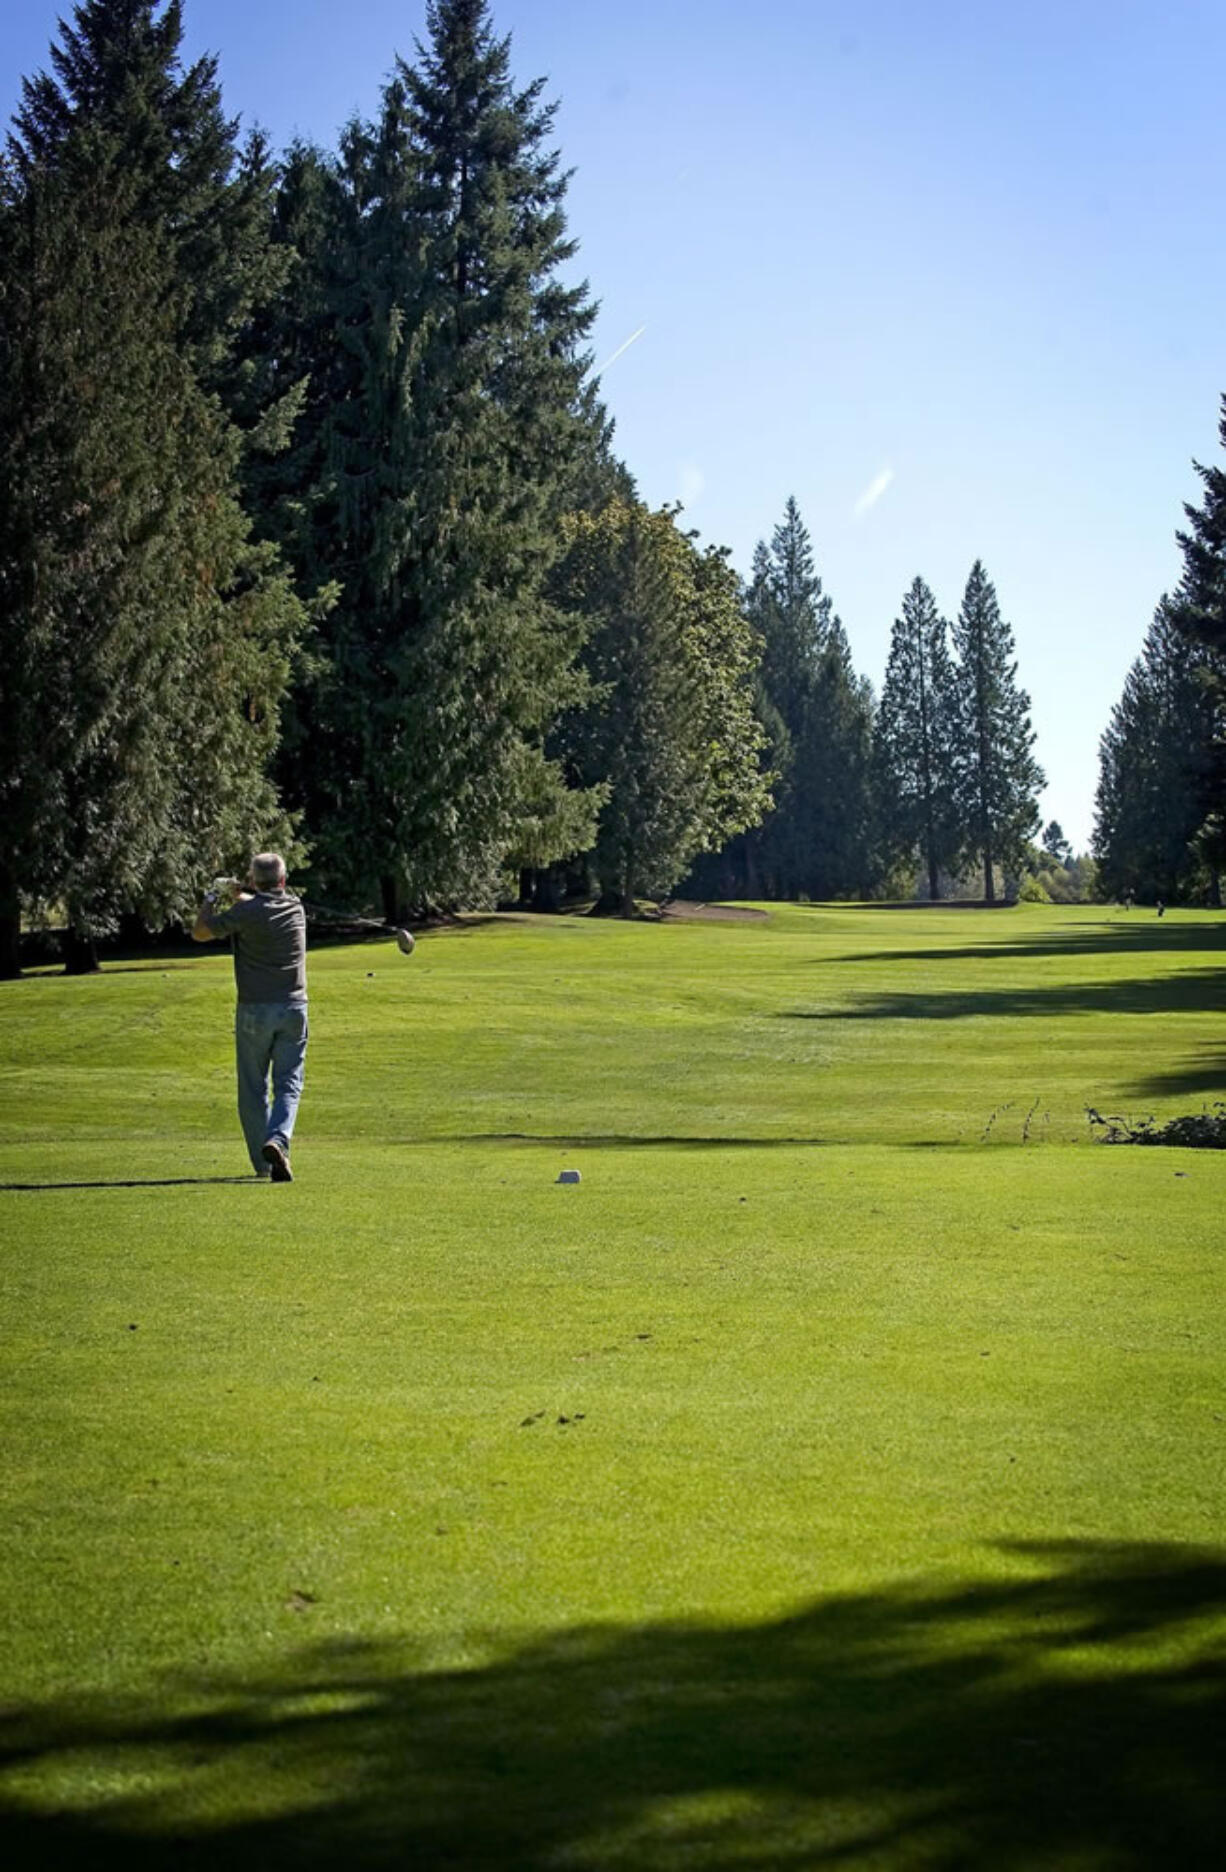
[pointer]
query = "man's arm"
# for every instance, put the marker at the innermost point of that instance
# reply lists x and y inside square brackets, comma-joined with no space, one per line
[209,918]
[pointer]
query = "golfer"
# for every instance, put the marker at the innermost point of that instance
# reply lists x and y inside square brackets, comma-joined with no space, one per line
[270,1026]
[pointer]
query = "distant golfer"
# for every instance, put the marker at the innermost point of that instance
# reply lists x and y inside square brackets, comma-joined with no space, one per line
[270,1026]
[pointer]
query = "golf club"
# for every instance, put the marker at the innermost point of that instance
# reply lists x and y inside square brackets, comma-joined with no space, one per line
[224,891]
[323,913]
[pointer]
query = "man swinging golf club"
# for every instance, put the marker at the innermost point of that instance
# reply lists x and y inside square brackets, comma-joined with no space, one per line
[270,1027]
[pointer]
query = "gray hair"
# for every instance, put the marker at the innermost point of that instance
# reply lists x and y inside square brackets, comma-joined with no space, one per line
[268,871]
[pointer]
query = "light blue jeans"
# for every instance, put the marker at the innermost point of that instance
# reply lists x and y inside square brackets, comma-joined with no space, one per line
[269,1035]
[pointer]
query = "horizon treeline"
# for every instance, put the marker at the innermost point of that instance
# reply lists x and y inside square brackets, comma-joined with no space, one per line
[313,535]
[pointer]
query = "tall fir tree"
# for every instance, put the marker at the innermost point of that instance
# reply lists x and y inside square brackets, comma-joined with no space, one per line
[145,634]
[117,67]
[1150,801]
[816,841]
[669,736]
[835,763]
[1198,611]
[792,615]
[915,741]
[433,478]
[999,777]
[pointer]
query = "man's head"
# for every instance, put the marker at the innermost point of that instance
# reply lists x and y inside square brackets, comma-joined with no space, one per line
[268,871]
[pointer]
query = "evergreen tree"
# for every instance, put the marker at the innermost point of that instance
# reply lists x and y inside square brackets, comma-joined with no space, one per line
[341,329]
[998,774]
[117,69]
[349,225]
[348,327]
[670,735]
[145,637]
[294,359]
[816,842]
[432,476]
[792,612]
[1200,605]
[1055,847]
[834,770]
[1199,612]
[916,741]
[1149,806]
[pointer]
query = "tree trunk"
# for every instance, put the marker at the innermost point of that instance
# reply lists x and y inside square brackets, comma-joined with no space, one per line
[394,896]
[10,946]
[627,891]
[934,877]
[10,926]
[547,892]
[134,933]
[1215,889]
[540,889]
[80,953]
[989,882]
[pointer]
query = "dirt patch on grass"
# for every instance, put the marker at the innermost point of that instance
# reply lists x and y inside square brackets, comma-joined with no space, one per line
[681,911]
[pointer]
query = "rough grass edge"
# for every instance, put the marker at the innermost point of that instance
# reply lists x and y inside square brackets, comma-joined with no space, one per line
[1203,1130]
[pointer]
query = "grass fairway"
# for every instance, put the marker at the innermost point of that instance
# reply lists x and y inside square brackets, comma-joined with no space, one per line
[833,1478]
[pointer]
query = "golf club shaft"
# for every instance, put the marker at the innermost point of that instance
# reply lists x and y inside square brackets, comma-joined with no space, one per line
[327,914]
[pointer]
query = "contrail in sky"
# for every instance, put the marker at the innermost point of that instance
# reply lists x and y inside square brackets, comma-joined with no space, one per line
[621,347]
[873,492]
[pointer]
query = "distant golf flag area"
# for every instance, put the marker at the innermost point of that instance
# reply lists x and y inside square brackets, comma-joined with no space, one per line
[705,1401]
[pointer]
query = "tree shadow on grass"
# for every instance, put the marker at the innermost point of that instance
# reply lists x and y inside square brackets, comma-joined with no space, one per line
[1191,991]
[1072,1713]
[1161,939]
[613,1140]
[1203,1073]
[923,906]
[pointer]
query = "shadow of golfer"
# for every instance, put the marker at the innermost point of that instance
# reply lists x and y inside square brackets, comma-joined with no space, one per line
[134,1183]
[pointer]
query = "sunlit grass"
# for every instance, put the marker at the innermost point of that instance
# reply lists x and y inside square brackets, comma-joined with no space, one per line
[429,1460]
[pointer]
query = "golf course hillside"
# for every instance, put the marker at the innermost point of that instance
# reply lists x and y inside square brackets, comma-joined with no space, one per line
[834,1475]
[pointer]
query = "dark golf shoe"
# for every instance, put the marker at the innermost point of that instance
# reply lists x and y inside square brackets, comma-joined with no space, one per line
[277,1159]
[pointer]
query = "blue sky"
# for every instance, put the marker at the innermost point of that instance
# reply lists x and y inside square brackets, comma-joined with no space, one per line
[951,273]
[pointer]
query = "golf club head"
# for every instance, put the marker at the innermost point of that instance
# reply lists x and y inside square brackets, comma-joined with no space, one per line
[404,941]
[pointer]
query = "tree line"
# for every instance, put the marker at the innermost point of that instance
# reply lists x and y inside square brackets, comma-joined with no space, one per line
[938,774]
[311,530]
[313,534]
[1160,806]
